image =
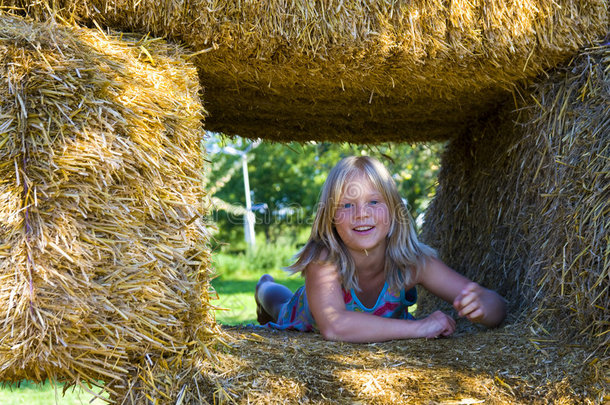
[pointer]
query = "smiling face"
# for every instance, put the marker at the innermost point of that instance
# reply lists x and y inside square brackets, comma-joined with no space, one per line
[362,217]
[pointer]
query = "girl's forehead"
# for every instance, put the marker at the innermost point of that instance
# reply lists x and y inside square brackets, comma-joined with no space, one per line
[358,181]
[357,177]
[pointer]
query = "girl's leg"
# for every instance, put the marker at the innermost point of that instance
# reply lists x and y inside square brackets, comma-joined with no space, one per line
[270,297]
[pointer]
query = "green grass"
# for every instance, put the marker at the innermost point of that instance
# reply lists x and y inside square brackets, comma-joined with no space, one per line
[237,278]
[45,394]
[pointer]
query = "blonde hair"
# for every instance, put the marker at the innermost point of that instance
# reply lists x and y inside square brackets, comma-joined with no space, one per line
[405,254]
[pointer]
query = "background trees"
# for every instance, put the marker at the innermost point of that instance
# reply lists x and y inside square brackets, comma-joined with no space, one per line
[285,181]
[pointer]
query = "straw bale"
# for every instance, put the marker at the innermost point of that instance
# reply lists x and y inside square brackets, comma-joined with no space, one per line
[358,71]
[523,206]
[499,366]
[104,266]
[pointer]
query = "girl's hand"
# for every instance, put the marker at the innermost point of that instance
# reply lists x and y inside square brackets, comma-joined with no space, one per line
[472,301]
[469,302]
[437,324]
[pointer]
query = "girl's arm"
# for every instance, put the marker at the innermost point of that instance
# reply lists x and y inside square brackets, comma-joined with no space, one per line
[472,301]
[326,303]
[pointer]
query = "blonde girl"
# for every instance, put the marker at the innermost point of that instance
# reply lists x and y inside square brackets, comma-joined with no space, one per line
[361,265]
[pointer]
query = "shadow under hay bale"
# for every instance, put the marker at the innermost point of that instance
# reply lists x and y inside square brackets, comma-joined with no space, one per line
[356,71]
[524,207]
[104,266]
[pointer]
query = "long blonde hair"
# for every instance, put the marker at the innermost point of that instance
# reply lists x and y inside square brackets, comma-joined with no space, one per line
[405,254]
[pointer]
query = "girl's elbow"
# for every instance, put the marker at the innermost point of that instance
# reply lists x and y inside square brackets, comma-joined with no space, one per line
[329,332]
[338,329]
[333,326]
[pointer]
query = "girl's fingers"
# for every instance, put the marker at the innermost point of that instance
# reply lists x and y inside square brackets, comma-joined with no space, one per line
[468,305]
[456,301]
[468,295]
[475,315]
[450,327]
[461,302]
[472,312]
[471,289]
[442,324]
[469,302]
[468,289]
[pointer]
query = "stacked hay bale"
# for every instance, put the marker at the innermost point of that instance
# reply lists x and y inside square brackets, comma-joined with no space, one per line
[103,256]
[521,208]
[360,71]
[525,207]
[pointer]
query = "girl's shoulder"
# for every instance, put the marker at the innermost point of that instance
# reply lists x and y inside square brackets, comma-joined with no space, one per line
[320,265]
[321,257]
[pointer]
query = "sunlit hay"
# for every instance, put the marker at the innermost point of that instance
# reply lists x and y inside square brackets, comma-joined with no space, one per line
[499,366]
[357,71]
[104,269]
[524,208]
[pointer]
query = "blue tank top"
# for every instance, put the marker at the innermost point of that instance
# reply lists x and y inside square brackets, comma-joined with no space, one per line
[391,303]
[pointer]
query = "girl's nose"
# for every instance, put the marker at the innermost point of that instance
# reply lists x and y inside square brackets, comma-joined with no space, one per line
[361,210]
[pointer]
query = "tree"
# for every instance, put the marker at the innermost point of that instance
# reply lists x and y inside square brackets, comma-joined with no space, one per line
[288,179]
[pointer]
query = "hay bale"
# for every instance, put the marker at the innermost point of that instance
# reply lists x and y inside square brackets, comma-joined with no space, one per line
[104,266]
[357,71]
[525,208]
[271,367]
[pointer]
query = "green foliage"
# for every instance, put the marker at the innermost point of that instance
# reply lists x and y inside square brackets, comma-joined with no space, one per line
[288,179]
[264,258]
[44,394]
[238,275]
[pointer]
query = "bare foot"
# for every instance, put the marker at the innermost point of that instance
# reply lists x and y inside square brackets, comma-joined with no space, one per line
[262,316]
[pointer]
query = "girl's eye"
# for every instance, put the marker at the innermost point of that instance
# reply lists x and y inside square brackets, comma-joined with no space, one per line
[374,202]
[347,205]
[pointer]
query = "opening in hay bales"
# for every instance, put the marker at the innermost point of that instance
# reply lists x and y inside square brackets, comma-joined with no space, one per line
[285,182]
[543,369]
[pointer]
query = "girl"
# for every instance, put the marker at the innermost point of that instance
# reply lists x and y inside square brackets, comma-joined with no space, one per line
[361,265]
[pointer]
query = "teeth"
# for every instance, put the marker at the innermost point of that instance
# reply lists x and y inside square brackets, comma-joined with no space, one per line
[363,228]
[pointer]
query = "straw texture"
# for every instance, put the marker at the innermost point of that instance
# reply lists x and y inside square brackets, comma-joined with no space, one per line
[525,208]
[496,367]
[104,267]
[357,71]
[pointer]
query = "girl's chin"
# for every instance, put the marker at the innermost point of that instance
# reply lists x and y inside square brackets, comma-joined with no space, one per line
[365,249]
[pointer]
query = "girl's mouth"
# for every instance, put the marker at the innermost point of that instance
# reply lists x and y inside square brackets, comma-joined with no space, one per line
[364,229]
